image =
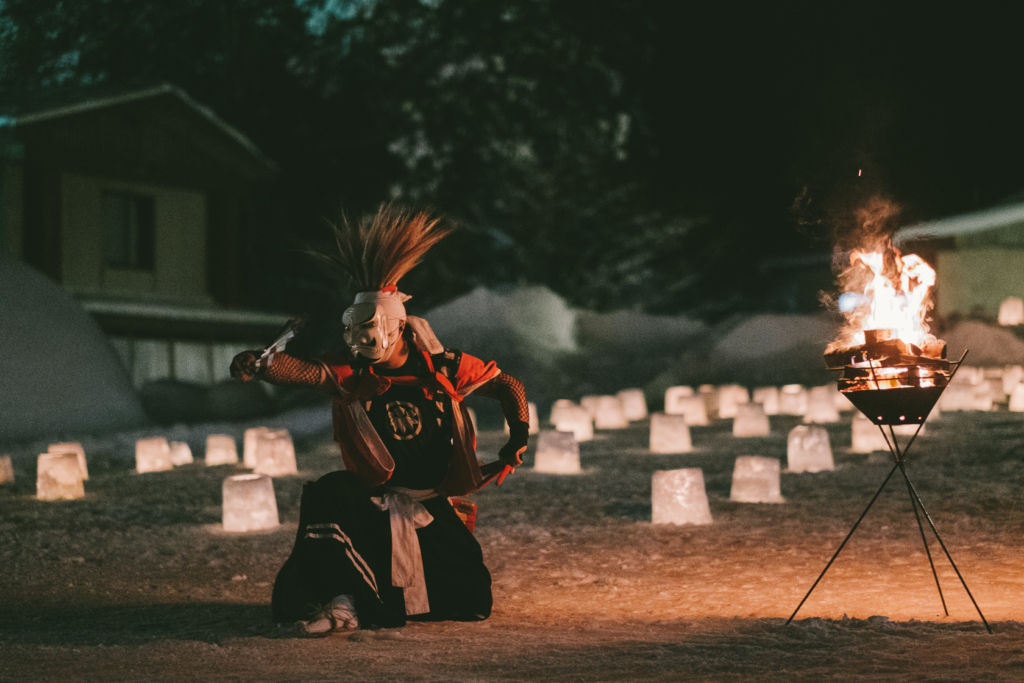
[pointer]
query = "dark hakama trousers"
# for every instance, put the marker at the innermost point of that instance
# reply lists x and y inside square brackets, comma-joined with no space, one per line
[343,547]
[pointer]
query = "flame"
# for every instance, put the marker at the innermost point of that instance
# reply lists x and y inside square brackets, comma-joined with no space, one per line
[886,290]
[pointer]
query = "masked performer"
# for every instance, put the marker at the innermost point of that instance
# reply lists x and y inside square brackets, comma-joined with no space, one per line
[379,542]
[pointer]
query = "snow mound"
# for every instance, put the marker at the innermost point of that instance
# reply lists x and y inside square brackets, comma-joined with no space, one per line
[765,336]
[988,344]
[60,374]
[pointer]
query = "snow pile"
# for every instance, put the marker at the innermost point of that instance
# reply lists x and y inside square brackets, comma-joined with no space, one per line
[60,374]
[988,344]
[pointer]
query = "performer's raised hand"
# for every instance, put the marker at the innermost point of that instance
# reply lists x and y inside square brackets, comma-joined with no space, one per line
[243,366]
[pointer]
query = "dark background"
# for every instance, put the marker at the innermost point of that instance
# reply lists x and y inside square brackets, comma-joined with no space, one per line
[672,157]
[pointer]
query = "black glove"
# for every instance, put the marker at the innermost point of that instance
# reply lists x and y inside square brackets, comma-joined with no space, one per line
[243,366]
[519,437]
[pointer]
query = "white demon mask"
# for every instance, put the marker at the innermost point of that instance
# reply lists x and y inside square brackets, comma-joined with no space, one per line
[374,323]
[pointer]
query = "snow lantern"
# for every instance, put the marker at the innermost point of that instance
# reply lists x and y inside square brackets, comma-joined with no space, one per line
[730,397]
[670,434]
[275,453]
[181,453]
[957,396]
[983,398]
[793,400]
[72,447]
[6,470]
[221,450]
[577,421]
[1011,311]
[709,392]
[59,476]
[249,503]
[1017,399]
[808,450]
[694,410]
[589,404]
[609,414]
[1012,376]
[768,397]
[153,455]
[842,403]
[672,397]
[750,420]
[866,436]
[634,405]
[678,497]
[821,406]
[756,480]
[557,453]
[534,421]
[558,407]
[249,440]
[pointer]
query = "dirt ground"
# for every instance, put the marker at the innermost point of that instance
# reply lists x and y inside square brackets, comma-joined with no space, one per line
[136,582]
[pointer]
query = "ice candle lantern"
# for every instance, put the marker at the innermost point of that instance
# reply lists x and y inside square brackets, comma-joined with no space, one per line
[1011,311]
[750,420]
[756,480]
[559,407]
[153,455]
[181,453]
[866,436]
[249,440]
[672,398]
[709,392]
[730,397]
[59,477]
[249,503]
[608,413]
[72,447]
[275,453]
[577,421]
[793,400]
[821,406]
[768,397]
[808,450]
[634,405]
[670,434]
[557,453]
[6,470]
[221,450]
[694,409]
[1012,376]
[678,497]
[589,404]
[1017,399]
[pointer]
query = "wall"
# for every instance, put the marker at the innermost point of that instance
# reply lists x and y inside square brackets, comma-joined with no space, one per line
[180,242]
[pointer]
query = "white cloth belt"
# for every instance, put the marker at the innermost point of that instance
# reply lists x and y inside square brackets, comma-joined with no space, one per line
[406,516]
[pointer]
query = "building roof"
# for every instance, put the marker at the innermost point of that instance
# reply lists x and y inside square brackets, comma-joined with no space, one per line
[964,224]
[46,104]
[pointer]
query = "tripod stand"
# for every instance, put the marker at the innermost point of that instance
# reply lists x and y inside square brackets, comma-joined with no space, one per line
[899,456]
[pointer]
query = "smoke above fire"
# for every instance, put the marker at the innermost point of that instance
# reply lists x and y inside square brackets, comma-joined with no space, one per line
[878,286]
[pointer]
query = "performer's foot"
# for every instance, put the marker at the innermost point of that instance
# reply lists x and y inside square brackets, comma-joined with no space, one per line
[340,615]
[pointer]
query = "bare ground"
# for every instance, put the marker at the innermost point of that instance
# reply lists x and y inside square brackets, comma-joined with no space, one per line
[137,583]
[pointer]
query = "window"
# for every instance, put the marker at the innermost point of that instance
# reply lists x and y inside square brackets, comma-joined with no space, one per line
[128,231]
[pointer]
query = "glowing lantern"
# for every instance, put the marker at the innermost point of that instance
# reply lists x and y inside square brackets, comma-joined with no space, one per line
[678,497]
[249,503]
[958,396]
[866,436]
[249,440]
[558,407]
[821,407]
[768,397]
[275,453]
[6,470]
[750,420]
[672,398]
[634,405]
[694,410]
[557,453]
[808,450]
[842,403]
[153,455]
[181,454]
[589,404]
[670,434]
[730,397]
[1017,399]
[221,450]
[59,477]
[709,392]
[608,413]
[1011,311]
[576,421]
[1012,376]
[756,480]
[793,400]
[72,447]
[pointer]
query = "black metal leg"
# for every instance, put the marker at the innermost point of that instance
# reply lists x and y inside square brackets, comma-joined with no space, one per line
[935,531]
[895,448]
[843,544]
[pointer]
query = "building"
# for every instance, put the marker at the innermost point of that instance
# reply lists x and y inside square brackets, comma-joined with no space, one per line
[138,202]
[978,258]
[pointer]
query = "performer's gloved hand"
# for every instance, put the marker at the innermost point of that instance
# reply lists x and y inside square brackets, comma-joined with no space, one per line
[519,437]
[243,366]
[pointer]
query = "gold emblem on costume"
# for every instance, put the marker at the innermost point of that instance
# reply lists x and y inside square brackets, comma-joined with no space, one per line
[405,419]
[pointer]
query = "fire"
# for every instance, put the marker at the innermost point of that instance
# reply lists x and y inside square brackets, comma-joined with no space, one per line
[885,290]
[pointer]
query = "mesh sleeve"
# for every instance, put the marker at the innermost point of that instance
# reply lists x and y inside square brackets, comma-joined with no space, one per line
[512,395]
[287,370]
